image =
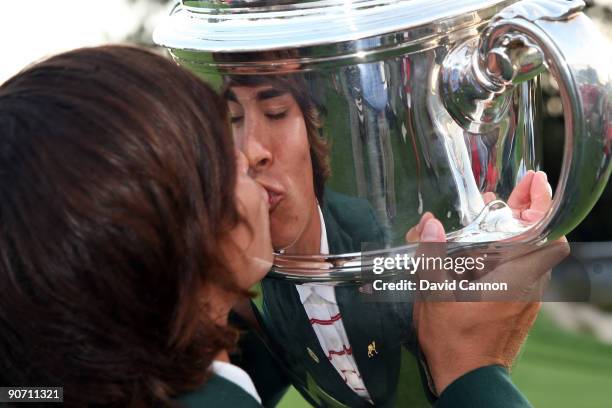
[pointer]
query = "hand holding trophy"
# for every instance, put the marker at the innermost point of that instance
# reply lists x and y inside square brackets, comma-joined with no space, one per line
[458,336]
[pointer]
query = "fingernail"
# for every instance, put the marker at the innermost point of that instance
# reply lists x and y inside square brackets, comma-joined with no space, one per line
[431,231]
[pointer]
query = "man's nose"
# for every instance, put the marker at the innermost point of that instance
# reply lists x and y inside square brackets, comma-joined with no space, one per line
[255,147]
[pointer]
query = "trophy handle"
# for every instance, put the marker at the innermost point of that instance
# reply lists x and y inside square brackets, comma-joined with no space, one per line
[477,80]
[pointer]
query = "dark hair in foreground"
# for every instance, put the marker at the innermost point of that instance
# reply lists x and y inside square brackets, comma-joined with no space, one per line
[116,184]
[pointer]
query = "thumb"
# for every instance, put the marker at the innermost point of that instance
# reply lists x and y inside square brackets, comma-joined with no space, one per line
[433,246]
[433,231]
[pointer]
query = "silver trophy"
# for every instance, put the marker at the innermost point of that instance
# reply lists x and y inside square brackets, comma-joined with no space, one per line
[405,107]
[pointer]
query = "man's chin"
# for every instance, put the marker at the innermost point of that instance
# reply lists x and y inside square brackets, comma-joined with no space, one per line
[282,239]
[283,245]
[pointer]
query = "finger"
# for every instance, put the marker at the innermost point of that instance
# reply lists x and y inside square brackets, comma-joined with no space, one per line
[541,193]
[532,216]
[433,231]
[520,197]
[426,217]
[414,234]
[541,199]
[432,250]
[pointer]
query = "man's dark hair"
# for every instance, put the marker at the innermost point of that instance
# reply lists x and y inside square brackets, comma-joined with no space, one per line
[116,186]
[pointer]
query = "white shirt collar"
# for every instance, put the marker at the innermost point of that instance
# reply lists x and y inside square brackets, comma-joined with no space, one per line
[324,244]
[236,375]
[325,291]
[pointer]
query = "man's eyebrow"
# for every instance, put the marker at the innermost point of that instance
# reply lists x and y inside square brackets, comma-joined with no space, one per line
[229,95]
[269,93]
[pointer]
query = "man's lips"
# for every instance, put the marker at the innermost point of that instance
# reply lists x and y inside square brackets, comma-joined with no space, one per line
[275,196]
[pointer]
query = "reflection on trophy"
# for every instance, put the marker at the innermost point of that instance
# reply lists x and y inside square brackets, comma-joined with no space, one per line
[360,117]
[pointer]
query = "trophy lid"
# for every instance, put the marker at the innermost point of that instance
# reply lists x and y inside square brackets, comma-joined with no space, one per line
[262,25]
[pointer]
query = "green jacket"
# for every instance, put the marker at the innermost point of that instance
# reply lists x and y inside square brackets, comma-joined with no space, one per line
[487,387]
[394,376]
[350,223]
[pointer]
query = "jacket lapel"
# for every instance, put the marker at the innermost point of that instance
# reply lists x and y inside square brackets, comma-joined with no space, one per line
[378,361]
[288,326]
[376,344]
[380,333]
